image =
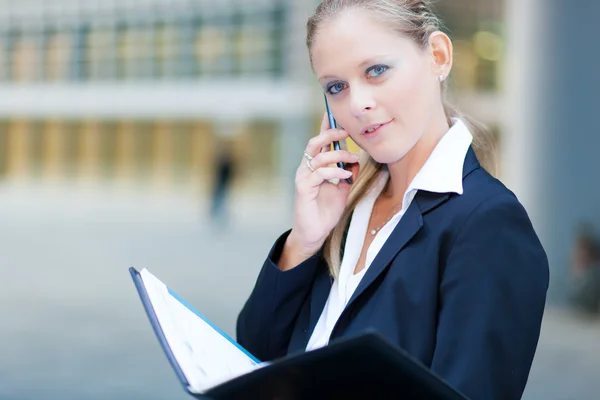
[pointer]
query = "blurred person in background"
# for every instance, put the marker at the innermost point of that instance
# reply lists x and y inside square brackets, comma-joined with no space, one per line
[223,176]
[425,247]
[585,269]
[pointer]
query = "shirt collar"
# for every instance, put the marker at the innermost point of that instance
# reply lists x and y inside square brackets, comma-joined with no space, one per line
[443,170]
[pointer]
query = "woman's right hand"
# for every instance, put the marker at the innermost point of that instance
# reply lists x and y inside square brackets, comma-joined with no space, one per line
[319,204]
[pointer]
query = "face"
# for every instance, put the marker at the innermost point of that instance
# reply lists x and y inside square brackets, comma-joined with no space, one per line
[380,85]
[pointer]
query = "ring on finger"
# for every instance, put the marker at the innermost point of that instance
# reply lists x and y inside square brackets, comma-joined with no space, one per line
[309,165]
[308,156]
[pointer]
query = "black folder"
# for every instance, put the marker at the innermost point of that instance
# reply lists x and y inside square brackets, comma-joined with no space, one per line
[360,367]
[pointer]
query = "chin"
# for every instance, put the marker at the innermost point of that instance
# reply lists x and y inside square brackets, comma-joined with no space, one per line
[388,156]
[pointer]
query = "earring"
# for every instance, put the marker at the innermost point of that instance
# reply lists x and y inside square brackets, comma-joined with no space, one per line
[441,78]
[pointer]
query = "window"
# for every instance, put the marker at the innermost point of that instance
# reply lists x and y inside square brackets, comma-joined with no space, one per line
[168,48]
[101,54]
[254,49]
[211,50]
[135,54]
[25,58]
[58,58]
[4,67]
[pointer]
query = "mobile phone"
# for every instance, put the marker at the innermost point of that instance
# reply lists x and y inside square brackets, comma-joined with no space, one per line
[336,144]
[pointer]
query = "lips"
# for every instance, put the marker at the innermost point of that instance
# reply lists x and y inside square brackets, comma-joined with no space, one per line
[372,128]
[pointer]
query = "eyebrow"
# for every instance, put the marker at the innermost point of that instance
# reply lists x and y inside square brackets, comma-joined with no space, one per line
[362,64]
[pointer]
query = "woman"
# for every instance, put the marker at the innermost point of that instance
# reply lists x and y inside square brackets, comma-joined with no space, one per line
[425,246]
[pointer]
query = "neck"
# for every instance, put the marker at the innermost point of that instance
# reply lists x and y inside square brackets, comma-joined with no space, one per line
[403,171]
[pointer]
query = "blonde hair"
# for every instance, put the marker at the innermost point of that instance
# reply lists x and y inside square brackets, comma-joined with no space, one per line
[414,19]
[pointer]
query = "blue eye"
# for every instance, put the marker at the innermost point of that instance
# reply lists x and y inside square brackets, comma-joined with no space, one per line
[377,70]
[335,88]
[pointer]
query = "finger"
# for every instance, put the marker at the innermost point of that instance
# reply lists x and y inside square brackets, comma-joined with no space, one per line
[333,157]
[343,183]
[326,173]
[306,168]
[317,143]
[324,123]
[324,128]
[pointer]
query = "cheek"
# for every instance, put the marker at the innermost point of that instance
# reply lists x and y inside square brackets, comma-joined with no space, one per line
[408,96]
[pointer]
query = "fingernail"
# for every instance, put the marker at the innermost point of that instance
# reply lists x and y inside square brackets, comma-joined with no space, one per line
[348,173]
[355,156]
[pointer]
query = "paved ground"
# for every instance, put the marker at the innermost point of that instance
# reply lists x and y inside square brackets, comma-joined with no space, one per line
[567,365]
[72,326]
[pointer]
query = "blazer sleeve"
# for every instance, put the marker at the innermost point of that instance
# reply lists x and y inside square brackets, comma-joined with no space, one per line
[266,322]
[492,297]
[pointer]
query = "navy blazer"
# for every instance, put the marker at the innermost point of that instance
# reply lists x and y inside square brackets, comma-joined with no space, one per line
[460,284]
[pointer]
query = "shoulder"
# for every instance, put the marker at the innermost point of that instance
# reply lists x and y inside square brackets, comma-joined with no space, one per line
[487,214]
[485,198]
[491,239]
[492,222]
[481,188]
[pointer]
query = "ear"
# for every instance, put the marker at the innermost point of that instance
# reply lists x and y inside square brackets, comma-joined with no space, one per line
[440,48]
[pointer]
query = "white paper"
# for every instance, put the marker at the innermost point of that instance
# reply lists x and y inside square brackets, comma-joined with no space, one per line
[206,356]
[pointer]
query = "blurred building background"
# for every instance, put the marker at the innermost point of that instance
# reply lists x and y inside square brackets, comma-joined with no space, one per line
[111,113]
[123,89]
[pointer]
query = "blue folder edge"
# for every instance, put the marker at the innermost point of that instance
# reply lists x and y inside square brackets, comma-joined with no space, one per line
[139,285]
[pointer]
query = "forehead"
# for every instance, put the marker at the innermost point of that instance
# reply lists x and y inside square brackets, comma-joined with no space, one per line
[353,37]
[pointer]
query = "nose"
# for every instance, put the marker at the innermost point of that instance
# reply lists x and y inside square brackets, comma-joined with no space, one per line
[361,101]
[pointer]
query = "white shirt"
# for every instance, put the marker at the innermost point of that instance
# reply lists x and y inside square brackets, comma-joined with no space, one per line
[441,173]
